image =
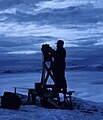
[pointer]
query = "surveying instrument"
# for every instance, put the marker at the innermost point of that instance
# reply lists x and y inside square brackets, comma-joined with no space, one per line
[47,91]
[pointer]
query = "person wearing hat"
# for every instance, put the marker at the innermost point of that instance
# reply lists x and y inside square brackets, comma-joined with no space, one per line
[59,65]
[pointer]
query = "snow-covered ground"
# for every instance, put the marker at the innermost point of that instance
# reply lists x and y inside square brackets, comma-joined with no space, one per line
[83,109]
[88,85]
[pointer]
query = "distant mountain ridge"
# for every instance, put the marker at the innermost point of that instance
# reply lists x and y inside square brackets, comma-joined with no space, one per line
[38,68]
[98,67]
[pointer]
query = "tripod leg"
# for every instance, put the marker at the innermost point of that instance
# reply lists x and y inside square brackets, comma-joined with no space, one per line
[43,71]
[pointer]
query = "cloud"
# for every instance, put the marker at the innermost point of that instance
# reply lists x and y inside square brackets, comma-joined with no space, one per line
[99,42]
[76,36]
[23,8]
[10,11]
[58,4]
[23,52]
[14,29]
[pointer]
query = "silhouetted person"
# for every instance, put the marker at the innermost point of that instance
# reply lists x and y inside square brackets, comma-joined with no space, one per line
[59,65]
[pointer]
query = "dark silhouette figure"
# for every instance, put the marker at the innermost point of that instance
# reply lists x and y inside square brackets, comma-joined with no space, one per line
[59,66]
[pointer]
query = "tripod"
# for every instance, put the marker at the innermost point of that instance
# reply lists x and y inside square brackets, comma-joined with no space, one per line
[46,70]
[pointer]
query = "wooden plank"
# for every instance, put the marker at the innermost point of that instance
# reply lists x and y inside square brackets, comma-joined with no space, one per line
[49,86]
[69,92]
[54,103]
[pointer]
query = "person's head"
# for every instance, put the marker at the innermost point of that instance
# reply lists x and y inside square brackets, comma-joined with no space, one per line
[60,43]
